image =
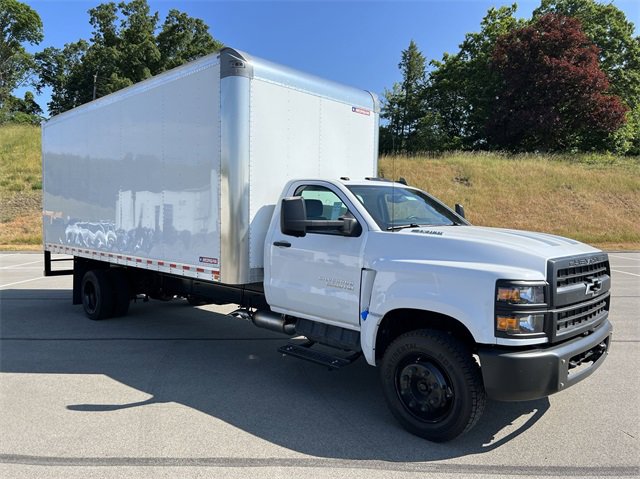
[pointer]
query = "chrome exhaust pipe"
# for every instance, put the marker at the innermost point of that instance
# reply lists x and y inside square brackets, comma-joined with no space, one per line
[241,314]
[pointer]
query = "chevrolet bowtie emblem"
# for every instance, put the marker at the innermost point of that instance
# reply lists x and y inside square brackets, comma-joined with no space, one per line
[593,286]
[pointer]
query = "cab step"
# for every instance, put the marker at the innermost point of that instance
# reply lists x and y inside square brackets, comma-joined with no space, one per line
[305,352]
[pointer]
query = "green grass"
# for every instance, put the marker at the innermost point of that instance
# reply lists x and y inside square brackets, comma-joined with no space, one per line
[20,158]
[593,198]
[20,187]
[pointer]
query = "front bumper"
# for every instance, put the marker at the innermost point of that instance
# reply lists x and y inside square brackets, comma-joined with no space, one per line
[535,373]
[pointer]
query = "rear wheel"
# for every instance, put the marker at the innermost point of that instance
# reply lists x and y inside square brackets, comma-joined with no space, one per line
[432,384]
[97,295]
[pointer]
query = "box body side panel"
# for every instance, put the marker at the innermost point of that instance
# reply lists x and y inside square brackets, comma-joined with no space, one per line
[139,174]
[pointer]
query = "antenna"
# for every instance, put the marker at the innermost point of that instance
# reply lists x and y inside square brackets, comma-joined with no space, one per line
[393,190]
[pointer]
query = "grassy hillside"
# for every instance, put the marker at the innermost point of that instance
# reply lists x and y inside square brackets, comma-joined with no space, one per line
[594,198]
[20,187]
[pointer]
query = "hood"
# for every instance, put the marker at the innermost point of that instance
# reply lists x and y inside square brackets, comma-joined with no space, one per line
[511,249]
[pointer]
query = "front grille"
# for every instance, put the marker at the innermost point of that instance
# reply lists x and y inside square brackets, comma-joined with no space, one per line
[579,294]
[581,317]
[578,274]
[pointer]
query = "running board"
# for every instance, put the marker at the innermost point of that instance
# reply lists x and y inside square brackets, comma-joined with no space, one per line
[305,352]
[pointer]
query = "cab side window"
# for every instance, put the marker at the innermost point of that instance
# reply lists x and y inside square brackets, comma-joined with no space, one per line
[323,204]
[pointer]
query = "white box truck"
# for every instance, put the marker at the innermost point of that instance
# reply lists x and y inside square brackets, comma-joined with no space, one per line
[233,180]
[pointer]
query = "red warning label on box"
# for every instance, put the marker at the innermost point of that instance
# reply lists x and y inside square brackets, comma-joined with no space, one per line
[361,111]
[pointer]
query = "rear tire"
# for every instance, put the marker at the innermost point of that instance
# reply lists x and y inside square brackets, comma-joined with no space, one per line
[432,385]
[97,295]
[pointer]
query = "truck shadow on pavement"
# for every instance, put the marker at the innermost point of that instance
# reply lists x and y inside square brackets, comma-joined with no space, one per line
[231,371]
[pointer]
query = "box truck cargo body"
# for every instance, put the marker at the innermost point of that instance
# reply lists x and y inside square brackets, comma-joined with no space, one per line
[232,180]
[184,169]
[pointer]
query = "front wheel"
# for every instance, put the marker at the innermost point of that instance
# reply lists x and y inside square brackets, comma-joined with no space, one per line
[432,384]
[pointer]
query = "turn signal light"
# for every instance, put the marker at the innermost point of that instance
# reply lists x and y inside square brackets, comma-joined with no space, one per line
[506,323]
[519,324]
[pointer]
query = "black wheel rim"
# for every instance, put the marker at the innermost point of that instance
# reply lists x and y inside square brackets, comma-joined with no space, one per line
[424,389]
[90,297]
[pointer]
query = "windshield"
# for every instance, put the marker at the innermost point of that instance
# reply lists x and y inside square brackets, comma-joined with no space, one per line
[394,207]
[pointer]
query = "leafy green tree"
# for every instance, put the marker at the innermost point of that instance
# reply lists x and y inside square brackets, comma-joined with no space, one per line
[138,45]
[627,139]
[62,70]
[123,49]
[553,96]
[19,24]
[462,86]
[391,132]
[430,134]
[183,39]
[21,110]
[403,105]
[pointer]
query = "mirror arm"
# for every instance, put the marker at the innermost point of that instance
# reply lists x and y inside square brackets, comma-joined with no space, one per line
[316,225]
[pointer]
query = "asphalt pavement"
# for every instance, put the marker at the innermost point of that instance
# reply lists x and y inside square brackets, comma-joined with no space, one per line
[176,391]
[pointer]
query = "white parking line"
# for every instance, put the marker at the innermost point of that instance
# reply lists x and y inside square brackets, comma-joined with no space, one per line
[20,282]
[18,265]
[626,272]
[623,257]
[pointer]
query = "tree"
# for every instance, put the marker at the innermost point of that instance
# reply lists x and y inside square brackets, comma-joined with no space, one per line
[607,27]
[403,106]
[123,49]
[461,86]
[553,94]
[21,110]
[18,24]
[62,70]
[183,39]
[391,132]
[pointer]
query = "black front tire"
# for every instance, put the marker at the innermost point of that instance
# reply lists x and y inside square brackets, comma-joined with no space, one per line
[432,384]
[97,295]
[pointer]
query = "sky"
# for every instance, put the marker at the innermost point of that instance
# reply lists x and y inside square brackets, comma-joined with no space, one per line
[357,43]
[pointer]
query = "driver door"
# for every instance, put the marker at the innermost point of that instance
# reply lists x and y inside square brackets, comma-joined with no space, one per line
[317,276]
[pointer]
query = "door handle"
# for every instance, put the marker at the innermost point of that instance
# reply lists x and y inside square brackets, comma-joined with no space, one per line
[283,244]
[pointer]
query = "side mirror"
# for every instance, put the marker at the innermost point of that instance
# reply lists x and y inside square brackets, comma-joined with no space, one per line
[460,210]
[293,216]
[294,222]
[350,226]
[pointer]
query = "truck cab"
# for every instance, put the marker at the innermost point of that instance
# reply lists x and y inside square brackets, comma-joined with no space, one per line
[450,312]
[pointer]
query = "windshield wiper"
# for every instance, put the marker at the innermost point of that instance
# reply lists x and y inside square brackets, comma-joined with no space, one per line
[416,225]
[400,227]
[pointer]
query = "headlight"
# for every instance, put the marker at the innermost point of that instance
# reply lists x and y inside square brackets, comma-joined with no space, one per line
[520,324]
[513,293]
[520,308]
